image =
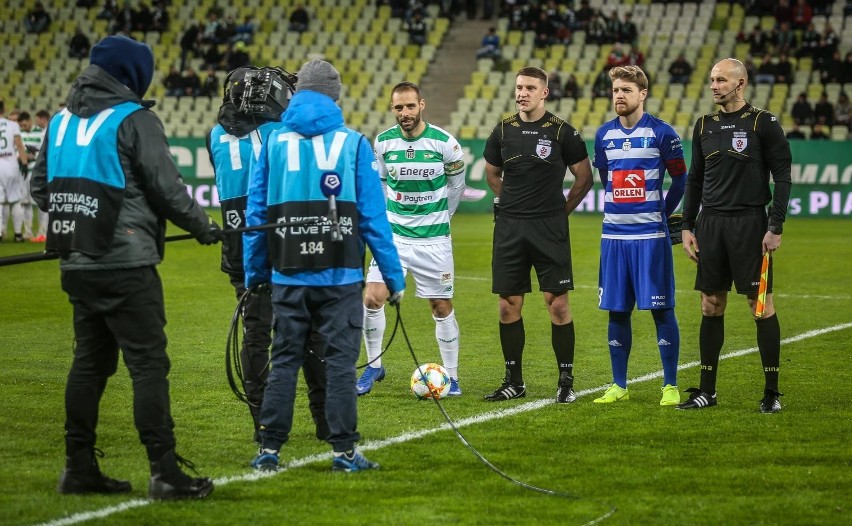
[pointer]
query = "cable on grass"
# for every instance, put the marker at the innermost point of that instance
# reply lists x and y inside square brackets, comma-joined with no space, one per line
[481,457]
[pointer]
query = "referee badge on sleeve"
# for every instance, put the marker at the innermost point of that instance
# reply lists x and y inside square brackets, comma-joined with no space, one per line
[740,141]
[543,148]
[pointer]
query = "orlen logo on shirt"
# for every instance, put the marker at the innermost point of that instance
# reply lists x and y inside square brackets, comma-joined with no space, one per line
[628,186]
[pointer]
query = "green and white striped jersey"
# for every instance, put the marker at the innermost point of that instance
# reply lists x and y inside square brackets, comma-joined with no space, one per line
[32,142]
[424,179]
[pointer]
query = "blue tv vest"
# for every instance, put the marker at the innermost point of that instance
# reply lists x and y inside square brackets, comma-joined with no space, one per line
[85,180]
[296,165]
[233,160]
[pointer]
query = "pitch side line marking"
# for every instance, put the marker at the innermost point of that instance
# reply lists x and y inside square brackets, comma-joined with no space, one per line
[682,291]
[414,435]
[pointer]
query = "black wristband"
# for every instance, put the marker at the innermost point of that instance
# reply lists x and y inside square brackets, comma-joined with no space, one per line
[777,230]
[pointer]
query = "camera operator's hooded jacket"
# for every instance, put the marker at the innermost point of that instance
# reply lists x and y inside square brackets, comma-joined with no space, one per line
[152,190]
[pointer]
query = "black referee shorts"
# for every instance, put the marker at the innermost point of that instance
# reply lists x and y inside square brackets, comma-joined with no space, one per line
[730,251]
[522,244]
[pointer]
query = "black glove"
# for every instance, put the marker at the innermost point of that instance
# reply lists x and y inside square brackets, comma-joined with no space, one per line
[24,167]
[675,222]
[496,208]
[212,235]
[261,288]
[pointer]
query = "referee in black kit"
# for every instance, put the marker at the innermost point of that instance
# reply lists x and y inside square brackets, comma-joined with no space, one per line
[526,158]
[734,152]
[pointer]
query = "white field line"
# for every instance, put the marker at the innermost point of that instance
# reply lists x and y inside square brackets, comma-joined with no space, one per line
[414,435]
[684,291]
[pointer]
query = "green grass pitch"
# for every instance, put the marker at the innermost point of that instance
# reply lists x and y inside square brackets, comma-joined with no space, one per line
[726,465]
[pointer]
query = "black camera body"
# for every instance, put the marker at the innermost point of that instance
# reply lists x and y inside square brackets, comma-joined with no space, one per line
[265,92]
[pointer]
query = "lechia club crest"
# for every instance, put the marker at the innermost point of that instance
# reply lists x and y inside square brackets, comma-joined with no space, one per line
[740,141]
[543,148]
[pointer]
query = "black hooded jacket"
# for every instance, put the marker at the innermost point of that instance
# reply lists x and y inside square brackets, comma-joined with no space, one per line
[154,191]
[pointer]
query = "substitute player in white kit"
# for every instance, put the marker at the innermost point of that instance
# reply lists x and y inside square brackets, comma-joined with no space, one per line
[423,168]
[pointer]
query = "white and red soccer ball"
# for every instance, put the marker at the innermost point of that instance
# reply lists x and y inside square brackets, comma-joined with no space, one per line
[430,380]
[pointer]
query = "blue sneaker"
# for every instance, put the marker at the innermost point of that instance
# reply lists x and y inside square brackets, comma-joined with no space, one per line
[351,462]
[266,460]
[370,375]
[455,390]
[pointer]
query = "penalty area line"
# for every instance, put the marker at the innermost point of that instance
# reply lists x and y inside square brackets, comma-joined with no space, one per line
[372,445]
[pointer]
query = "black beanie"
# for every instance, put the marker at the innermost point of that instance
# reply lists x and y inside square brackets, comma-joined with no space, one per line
[128,61]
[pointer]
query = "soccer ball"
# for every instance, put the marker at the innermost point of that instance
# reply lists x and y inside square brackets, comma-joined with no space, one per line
[430,380]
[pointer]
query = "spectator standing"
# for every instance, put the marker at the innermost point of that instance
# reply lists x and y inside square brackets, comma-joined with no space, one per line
[733,230]
[526,160]
[680,70]
[110,276]
[189,43]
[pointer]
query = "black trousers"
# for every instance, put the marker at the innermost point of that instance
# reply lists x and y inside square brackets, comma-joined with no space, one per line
[254,357]
[118,309]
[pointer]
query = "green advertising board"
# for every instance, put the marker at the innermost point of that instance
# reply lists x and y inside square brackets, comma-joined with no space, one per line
[822,177]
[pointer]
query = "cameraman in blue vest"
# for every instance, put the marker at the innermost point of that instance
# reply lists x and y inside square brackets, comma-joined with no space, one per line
[254,100]
[312,167]
[109,183]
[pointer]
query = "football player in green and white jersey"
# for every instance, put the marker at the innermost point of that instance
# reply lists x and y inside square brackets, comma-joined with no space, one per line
[422,167]
[32,138]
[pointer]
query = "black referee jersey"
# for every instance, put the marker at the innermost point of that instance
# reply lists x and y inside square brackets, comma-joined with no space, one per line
[534,157]
[733,155]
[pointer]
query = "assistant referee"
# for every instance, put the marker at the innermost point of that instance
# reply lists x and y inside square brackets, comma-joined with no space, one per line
[526,158]
[735,150]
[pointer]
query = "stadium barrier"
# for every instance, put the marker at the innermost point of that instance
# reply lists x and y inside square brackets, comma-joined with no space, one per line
[822,177]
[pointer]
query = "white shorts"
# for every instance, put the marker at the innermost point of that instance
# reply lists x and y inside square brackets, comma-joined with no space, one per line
[11,183]
[430,265]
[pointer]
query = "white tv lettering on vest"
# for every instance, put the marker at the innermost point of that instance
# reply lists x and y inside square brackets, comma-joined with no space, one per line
[326,159]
